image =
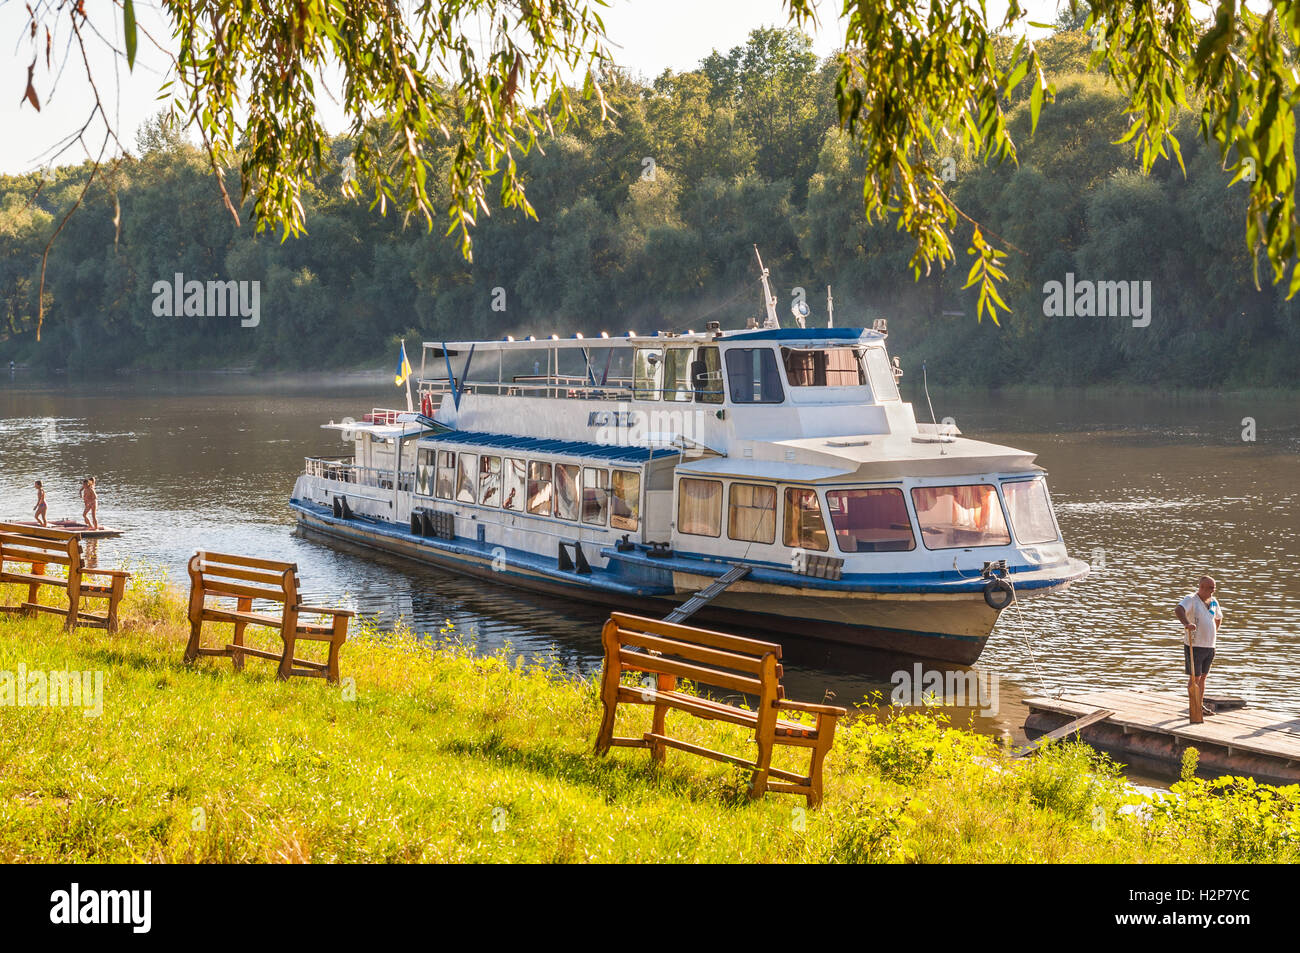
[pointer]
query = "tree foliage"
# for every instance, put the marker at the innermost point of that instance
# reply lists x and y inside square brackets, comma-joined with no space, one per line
[919,81]
[914,83]
[421,95]
[619,244]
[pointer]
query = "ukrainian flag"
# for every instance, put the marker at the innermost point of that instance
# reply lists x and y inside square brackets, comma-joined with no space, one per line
[403,368]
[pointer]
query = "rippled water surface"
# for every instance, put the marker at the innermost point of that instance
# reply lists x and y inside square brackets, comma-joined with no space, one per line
[1153,492]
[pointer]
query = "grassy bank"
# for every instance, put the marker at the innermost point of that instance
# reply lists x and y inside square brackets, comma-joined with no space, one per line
[444,756]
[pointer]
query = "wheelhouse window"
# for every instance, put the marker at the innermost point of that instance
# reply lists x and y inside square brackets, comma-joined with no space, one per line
[489,480]
[677,374]
[804,527]
[706,375]
[751,513]
[752,376]
[446,487]
[595,496]
[516,483]
[823,367]
[566,491]
[625,501]
[425,468]
[870,520]
[883,382]
[647,373]
[539,488]
[957,517]
[699,507]
[1031,511]
[467,478]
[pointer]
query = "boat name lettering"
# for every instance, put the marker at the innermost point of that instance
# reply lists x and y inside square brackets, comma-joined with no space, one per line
[612,418]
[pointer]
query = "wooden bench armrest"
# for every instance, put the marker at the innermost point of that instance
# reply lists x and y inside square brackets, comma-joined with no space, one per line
[809,707]
[106,572]
[316,610]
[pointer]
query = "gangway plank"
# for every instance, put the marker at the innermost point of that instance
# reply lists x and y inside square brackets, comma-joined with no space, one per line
[706,595]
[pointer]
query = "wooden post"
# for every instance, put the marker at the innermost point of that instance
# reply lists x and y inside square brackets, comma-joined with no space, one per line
[765,730]
[664,683]
[609,685]
[242,604]
[289,624]
[116,590]
[74,582]
[337,638]
[34,589]
[825,738]
[196,606]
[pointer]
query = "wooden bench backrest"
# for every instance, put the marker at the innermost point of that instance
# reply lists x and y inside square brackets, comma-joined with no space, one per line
[37,544]
[714,658]
[223,575]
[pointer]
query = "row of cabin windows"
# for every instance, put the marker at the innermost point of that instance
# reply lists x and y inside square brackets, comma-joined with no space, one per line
[868,519]
[593,495]
[753,375]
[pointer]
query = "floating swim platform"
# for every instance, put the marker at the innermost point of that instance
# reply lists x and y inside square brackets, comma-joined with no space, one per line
[72,526]
[1150,731]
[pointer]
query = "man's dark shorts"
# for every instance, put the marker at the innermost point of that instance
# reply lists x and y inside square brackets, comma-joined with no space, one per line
[1204,656]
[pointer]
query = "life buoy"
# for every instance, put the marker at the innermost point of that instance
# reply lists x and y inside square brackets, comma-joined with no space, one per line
[426,405]
[998,594]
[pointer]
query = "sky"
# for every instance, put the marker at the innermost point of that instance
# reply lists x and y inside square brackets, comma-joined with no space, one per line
[646,36]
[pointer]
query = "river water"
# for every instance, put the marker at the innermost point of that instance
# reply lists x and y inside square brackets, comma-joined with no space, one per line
[1153,491]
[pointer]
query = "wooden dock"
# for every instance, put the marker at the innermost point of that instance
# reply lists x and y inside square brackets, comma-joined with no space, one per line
[1150,731]
[72,526]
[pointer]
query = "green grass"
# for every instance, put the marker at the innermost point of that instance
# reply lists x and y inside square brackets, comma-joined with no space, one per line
[439,755]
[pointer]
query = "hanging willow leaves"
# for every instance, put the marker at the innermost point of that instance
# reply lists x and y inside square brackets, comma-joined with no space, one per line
[455,91]
[129,31]
[440,98]
[916,81]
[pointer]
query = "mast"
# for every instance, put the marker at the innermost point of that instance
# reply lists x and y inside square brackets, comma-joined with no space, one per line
[769,299]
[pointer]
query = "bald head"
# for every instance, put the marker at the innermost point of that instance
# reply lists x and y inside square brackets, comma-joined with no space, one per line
[1206,587]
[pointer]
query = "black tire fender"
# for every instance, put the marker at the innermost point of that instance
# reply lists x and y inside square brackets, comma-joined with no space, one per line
[998,594]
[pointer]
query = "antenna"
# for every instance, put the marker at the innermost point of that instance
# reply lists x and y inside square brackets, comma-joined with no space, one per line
[830,308]
[769,299]
[925,382]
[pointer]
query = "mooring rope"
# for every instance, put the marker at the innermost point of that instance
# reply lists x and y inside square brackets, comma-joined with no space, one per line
[1029,646]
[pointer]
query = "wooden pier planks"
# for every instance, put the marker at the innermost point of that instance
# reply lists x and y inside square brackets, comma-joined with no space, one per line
[1073,728]
[78,529]
[1253,733]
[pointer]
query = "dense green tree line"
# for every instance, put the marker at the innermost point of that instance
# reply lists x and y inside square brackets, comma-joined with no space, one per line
[647,221]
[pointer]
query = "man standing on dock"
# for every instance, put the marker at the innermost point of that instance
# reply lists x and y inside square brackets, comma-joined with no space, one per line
[1201,616]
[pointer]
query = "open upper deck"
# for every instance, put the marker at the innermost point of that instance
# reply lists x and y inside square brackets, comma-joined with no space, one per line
[756,366]
[763,395]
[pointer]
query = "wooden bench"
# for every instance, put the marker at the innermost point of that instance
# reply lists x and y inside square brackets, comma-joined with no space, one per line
[39,547]
[669,651]
[245,579]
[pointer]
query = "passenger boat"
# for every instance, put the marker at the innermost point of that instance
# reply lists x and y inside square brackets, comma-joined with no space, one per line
[775,470]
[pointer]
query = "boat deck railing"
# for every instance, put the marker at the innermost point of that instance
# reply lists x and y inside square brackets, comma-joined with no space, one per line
[344,470]
[572,387]
[540,385]
[382,415]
